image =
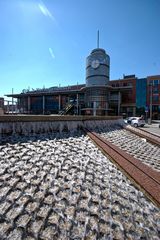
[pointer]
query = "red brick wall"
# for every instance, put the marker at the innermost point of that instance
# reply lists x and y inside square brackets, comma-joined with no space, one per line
[129,95]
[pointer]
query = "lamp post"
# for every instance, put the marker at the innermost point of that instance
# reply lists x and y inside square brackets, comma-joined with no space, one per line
[12,100]
[151,89]
[77,103]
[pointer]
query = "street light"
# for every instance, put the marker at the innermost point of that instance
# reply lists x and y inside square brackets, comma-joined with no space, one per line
[151,89]
[12,100]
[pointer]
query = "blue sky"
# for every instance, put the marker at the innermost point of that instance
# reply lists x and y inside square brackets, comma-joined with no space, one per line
[45,43]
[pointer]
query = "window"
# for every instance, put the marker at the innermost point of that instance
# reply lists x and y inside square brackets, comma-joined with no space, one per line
[155,89]
[155,82]
[155,98]
[150,82]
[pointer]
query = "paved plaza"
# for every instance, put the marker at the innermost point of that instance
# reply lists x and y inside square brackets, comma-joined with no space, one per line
[153,128]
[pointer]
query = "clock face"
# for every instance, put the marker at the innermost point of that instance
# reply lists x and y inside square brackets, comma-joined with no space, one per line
[95,63]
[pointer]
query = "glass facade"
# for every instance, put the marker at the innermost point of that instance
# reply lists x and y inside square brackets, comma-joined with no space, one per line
[51,104]
[96,98]
[1,102]
[36,104]
[23,104]
[141,92]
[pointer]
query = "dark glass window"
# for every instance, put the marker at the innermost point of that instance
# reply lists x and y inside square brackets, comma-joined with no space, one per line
[150,82]
[155,98]
[155,82]
[155,89]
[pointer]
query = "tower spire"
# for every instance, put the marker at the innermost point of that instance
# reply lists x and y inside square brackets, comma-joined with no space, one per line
[98,39]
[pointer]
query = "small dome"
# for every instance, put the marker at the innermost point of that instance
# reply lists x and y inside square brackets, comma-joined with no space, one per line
[98,50]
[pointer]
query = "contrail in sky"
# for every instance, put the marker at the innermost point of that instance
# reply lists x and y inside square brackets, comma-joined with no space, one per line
[45,11]
[51,52]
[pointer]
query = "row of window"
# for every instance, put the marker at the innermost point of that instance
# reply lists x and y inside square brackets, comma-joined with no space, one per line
[124,84]
[154,82]
[96,104]
[96,92]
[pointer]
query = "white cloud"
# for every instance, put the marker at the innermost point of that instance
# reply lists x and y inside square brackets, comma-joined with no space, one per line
[45,11]
[51,52]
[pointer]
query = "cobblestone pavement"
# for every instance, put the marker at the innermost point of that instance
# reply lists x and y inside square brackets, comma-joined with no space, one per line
[136,146]
[63,187]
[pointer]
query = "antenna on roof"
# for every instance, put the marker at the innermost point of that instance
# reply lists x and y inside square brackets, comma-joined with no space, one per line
[98,39]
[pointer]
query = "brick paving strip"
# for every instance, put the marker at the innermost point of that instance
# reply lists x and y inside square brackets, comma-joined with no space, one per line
[144,176]
[153,138]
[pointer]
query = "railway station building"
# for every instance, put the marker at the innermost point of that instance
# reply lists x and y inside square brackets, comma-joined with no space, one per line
[128,96]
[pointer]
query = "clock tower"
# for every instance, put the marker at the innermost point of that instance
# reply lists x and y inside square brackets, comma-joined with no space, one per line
[97,68]
[97,82]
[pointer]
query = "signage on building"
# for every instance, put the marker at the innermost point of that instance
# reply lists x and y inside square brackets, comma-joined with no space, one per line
[146,109]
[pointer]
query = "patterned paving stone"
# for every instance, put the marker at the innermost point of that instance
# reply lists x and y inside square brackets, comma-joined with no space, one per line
[48,233]
[16,234]
[3,207]
[35,227]
[4,227]
[60,186]
[134,145]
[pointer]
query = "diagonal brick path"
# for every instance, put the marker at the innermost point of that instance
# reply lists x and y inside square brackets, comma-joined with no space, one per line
[143,175]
